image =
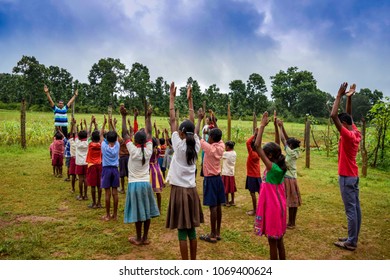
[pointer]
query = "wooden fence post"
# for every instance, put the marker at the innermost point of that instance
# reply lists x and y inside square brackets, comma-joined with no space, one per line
[204,117]
[363,149]
[254,125]
[23,124]
[229,123]
[307,143]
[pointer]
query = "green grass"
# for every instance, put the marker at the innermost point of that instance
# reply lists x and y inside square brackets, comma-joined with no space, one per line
[41,219]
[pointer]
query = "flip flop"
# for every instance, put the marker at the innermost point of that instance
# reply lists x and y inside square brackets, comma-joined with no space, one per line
[250,213]
[219,238]
[105,218]
[134,241]
[207,238]
[146,242]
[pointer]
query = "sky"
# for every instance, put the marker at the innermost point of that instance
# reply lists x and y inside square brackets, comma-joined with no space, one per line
[214,42]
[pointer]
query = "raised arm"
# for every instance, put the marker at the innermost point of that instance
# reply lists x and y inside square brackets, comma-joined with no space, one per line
[76,92]
[213,118]
[349,94]
[86,128]
[259,138]
[91,123]
[277,136]
[135,126]
[72,127]
[200,118]
[125,132]
[148,123]
[103,127]
[283,135]
[172,115]
[190,104]
[46,90]
[334,113]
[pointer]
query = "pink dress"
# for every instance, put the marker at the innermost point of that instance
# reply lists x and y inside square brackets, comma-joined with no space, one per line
[271,209]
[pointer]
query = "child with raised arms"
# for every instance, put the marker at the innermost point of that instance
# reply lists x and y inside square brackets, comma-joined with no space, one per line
[271,209]
[184,209]
[229,163]
[81,164]
[140,204]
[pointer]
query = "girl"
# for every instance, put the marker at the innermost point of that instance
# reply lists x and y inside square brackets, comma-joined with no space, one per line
[253,178]
[140,202]
[271,210]
[293,195]
[156,176]
[229,162]
[184,209]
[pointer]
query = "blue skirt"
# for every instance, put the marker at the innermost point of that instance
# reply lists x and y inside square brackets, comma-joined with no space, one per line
[213,191]
[140,203]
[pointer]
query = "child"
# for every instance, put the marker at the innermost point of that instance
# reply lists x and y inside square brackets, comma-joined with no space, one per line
[213,189]
[81,164]
[168,152]
[72,162]
[58,153]
[184,209]
[156,177]
[253,177]
[293,195]
[67,156]
[51,157]
[94,170]
[163,148]
[140,204]
[110,172]
[229,162]
[271,209]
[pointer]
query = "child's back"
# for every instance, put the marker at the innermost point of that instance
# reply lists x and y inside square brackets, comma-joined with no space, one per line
[139,172]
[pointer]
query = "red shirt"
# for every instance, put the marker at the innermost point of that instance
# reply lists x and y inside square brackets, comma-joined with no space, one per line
[348,149]
[253,160]
[162,150]
[58,147]
[94,155]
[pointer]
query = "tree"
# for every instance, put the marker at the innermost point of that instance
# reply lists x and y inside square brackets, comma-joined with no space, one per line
[138,85]
[373,97]
[10,88]
[106,79]
[313,103]
[33,74]
[237,96]
[60,83]
[256,99]
[160,97]
[286,87]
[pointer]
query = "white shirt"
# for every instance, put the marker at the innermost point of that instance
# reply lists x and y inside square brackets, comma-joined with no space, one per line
[72,147]
[81,152]
[180,173]
[228,163]
[137,171]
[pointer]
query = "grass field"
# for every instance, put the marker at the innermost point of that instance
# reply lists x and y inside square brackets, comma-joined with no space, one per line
[41,219]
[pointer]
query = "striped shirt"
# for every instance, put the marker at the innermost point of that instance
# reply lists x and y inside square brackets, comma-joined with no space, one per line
[60,116]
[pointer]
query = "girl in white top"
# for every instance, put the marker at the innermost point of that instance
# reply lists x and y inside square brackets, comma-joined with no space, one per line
[184,210]
[140,204]
[228,164]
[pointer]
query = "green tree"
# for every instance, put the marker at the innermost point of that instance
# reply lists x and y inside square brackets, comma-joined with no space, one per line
[237,97]
[60,83]
[106,79]
[314,103]
[10,88]
[256,100]
[33,74]
[286,87]
[160,97]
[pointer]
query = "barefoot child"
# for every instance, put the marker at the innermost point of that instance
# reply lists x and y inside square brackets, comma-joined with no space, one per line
[213,189]
[184,209]
[271,209]
[140,204]
[94,171]
[81,164]
[293,195]
[229,162]
[110,172]
[253,177]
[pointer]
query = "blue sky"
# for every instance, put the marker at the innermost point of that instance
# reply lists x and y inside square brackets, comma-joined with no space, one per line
[211,41]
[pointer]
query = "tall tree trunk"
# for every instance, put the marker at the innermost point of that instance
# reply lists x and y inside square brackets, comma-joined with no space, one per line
[307,143]
[363,149]
[23,124]
[254,125]
[229,123]
[377,147]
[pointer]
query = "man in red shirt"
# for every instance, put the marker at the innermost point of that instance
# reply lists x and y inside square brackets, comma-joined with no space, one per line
[347,167]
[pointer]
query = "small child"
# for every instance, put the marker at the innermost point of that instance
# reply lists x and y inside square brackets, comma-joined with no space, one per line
[168,152]
[253,177]
[67,156]
[94,171]
[213,188]
[140,204]
[58,153]
[156,177]
[110,172]
[81,164]
[271,209]
[293,195]
[51,157]
[72,161]
[229,162]
[163,148]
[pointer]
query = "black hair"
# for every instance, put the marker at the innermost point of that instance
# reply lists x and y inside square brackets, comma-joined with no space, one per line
[253,144]
[162,141]
[95,136]
[277,157]
[154,141]
[215,134]
[58,136]
[140,138]
[82,134]
[230,144]
[112,136]
[188,128]
[293,143]
[69,135]
[344,117]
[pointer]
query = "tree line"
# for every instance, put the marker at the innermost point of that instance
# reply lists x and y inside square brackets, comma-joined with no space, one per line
[294,92]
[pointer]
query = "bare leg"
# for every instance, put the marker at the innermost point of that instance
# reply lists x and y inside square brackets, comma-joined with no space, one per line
[213,221]
[81,182]
[282,252]
[107,201]
[73,182]
[93,194]
[193,248]
[146,232]
[115,197]
[273,248]
[232,202]
[158,195]
[183,249]
[99,201]
[219,220]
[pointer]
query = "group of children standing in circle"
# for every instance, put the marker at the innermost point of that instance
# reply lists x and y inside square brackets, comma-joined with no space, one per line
[141,152]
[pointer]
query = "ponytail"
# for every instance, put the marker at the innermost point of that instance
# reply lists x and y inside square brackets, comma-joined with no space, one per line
[143,154]
[281,162]
[191,154]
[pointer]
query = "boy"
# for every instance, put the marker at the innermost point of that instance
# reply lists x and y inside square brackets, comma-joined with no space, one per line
[81,164]
[110,173]
[213,188]
[58,153]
